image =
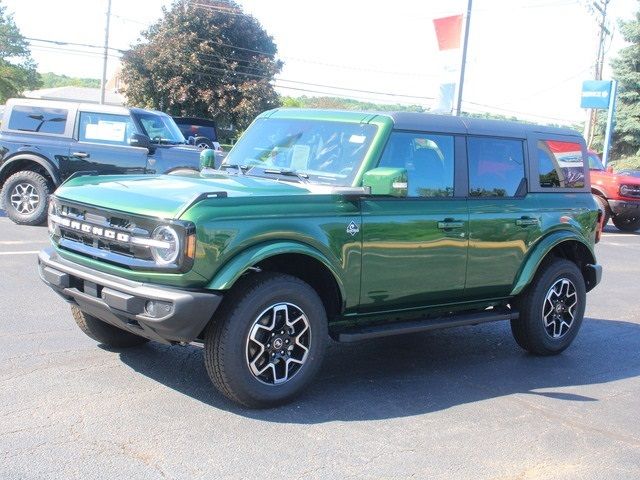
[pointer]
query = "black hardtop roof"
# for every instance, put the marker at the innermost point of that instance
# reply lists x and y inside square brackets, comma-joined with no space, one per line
[476,126]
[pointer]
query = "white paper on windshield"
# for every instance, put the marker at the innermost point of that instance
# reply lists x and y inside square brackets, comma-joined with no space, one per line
[300,157]
[357,139]
[106,130]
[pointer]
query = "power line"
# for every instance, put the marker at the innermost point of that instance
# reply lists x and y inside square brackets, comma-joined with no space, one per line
[73,44]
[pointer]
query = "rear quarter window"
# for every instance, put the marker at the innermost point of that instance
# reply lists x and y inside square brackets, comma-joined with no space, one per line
[560,164]
[38,119]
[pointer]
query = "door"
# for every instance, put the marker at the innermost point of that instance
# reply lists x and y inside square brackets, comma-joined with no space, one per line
[103,145]
[415,248]
[504,219]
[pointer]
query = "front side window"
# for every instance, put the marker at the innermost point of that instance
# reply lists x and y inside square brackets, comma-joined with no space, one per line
[38,119]
[496,166]
[326,152]
[428,159]
[105,128]
[160,128]
[560,164]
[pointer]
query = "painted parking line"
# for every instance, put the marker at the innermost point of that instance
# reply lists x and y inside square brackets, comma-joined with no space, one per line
[22,242]
[24,252]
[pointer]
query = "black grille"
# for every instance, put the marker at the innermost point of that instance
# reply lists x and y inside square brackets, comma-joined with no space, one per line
[631,191]
[73,238]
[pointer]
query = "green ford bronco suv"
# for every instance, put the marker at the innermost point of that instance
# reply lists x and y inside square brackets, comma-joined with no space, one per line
[332,224]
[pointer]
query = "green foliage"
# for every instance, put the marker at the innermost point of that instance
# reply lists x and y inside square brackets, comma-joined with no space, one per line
[626,70]
[345,104]
[351,104]
[53,80]
[17,68]
[626,163]
[205,59]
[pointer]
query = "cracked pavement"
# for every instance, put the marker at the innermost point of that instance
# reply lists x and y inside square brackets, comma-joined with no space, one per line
[463,403]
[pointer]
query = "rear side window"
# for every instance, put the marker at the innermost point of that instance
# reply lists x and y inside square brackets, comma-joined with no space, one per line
[560,164]
[38,119]
[198,131]
[496,166]
[428,159]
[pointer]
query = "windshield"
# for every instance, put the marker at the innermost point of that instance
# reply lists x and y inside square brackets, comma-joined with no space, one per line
[594,162]
[323,151]
[160,128]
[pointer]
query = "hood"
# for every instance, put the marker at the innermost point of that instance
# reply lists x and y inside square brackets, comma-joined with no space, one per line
[164,196]
[615,177]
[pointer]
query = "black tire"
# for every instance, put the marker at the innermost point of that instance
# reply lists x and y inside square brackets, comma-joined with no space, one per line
[35,184]
[627,223]
[529,329]
[104,333]
[202,143]
[604,208]
[227,340]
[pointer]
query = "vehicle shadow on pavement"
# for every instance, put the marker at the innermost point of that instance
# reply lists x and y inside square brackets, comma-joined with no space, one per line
[412,375]
[610,228]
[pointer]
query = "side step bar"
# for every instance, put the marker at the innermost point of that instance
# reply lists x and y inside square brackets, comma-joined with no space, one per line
[422,325]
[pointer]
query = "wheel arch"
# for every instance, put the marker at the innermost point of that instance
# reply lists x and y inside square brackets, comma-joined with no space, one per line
[293,258]
[562,245]
[32,162]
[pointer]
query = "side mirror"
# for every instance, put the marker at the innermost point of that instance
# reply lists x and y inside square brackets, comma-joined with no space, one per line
[610,168]
[140,140]
[386,181]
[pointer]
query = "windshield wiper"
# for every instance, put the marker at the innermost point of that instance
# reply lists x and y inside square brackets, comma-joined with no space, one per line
[303,177]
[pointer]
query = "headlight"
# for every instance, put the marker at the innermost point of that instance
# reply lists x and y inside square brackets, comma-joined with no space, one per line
[167,245]
[625,190]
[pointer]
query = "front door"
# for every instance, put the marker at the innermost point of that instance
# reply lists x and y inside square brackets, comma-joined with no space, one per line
[103,145]
[415,248]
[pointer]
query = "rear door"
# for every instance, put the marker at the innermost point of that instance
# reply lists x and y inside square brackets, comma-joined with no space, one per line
[504,218]
[103,145]
[415,248]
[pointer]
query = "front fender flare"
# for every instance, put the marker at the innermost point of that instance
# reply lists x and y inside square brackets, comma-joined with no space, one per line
[539,252]
[233,269]
[30,157]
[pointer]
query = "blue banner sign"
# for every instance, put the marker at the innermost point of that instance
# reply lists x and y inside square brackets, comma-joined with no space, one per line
[595,94]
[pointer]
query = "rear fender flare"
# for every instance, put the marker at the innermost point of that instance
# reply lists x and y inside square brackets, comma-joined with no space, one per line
[539,253]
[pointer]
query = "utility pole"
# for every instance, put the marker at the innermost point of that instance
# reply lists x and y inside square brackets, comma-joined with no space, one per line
[464,58]
[103,82]
[599,9]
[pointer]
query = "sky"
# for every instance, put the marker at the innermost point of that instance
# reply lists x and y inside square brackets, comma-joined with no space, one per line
[526,58]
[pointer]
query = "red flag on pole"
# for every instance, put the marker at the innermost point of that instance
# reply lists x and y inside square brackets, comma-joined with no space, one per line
[448,31]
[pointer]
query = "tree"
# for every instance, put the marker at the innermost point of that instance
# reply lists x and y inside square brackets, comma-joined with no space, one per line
[17,68]
[52,80]
[205,59]
[626,70]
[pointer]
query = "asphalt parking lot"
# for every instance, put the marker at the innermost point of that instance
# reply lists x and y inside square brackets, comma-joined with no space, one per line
[465,403]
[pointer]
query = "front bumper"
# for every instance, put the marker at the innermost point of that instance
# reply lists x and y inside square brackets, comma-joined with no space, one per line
[180,317]
[625,208]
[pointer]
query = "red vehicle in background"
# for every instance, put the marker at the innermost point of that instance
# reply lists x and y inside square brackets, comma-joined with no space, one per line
[618,195]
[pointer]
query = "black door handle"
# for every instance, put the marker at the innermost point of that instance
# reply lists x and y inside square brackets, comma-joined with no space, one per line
[526,221]
[80,154]
[446,224]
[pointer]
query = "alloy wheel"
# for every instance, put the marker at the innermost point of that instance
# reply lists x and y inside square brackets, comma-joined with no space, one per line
[24,198]
[558,312]
[278,343]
